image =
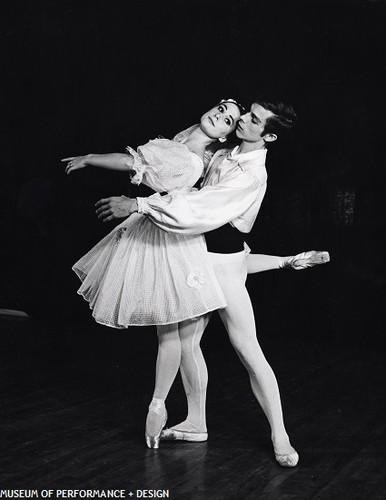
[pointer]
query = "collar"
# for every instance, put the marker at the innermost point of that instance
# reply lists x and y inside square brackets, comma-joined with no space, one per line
[257,157]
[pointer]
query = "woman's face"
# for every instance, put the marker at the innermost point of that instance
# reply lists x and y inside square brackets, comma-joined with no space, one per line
[220,120]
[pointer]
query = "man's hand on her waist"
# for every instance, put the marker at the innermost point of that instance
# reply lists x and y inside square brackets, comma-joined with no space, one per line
[115,207]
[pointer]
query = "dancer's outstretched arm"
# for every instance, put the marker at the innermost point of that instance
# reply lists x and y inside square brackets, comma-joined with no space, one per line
[110,161]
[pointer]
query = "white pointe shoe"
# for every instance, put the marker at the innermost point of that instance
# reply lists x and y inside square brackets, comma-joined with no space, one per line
[290,460]
[172,434]
[304,260]
[156,418]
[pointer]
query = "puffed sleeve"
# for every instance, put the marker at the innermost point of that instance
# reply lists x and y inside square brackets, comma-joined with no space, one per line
[200,211]
[137,167]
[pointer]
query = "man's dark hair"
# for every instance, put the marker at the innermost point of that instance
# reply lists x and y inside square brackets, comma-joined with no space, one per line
[284,116]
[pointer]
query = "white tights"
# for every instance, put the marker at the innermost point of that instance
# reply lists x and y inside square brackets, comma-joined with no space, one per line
[168,359]
[194,374]
[239,321]
[179,344]
[179,347]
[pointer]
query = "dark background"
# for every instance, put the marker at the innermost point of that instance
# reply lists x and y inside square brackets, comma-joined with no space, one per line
[94,76]
[83,77]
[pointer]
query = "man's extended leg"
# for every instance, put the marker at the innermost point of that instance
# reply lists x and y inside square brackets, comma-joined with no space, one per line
[238,318]
[257,263]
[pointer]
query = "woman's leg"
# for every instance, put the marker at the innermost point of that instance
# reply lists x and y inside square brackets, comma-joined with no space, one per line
[195,380]
[194,373]
[168,362]
[168,359]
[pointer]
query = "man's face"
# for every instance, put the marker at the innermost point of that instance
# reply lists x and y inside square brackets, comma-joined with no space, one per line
[251,124]
[220,120]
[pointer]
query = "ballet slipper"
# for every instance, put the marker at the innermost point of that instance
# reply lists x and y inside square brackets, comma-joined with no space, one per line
[173,434]
[156,418]
[304,260]
[288,460]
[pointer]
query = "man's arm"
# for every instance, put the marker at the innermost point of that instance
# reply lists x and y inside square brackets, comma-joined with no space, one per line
[193,212]
[115,207]
[204,210]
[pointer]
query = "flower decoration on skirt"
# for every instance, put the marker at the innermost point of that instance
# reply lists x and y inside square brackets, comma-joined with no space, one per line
[195,279]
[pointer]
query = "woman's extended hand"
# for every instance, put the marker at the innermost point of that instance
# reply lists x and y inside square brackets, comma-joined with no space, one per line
[115,207]
[75,163]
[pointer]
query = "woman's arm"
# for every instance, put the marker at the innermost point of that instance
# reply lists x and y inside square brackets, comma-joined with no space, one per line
[110,161]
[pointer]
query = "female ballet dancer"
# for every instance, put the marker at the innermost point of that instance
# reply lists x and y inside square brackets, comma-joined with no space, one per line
[138,274]
[120,274]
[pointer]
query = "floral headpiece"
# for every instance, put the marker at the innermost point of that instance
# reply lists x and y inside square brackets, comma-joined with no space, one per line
[233,101]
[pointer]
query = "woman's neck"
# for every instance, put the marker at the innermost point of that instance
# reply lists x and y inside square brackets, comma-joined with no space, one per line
[197,141]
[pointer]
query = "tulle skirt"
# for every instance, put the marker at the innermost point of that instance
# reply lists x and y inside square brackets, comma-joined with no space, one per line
[141,275]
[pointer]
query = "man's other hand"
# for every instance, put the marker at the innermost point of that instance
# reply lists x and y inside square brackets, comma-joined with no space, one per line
[115,207]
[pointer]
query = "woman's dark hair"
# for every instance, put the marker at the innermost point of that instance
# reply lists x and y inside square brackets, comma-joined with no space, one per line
[233,101]
[284,116]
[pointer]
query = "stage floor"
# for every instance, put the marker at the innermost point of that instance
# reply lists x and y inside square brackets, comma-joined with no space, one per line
[74,398]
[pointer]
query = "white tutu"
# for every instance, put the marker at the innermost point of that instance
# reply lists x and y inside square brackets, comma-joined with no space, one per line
[141,275]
